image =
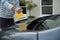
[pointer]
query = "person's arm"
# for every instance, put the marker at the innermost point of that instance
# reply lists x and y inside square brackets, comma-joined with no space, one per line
[6,4]
[18,5]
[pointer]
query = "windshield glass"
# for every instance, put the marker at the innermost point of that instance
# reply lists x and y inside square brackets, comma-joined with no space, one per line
[52,22]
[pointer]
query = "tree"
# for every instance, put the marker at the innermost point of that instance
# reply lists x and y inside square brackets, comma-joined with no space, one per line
[30,6]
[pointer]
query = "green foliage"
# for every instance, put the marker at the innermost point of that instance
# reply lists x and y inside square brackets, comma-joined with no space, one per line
[31,6]
[31,17]
[29,3]
[22,1]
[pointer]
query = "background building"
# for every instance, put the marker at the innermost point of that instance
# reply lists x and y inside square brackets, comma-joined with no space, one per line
[45,7]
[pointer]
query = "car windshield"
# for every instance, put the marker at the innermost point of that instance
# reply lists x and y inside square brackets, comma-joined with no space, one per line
[52,22]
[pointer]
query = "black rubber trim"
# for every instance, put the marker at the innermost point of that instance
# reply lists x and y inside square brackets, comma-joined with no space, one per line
[20,21]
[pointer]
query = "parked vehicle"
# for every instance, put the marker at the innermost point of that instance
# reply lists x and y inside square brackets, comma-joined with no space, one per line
[43,28]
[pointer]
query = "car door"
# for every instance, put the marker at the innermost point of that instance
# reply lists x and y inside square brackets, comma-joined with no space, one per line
[50,34]
[23,36]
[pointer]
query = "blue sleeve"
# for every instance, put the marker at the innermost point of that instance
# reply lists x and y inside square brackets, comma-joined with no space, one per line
[6,4]
[17,3]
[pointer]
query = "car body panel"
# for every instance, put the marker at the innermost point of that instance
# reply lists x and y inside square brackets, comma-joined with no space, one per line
[20,36]
[26,35]
[51,34]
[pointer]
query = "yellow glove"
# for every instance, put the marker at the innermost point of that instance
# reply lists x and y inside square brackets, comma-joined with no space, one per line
[19,15]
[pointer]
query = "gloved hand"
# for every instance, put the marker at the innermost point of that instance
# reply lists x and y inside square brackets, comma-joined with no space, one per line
[20,18]
[19,10]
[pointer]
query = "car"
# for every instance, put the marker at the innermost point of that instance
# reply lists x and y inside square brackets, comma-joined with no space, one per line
[43,28]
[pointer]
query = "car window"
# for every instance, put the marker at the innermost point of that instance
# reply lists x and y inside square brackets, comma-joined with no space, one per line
[52,22]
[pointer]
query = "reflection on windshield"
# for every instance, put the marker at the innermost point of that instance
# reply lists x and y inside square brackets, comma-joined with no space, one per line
[52,22]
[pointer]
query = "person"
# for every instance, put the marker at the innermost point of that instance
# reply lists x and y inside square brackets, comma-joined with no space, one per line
[7,11]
